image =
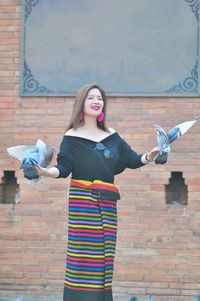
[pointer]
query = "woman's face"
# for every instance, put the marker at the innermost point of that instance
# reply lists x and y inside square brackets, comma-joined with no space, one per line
[93,105]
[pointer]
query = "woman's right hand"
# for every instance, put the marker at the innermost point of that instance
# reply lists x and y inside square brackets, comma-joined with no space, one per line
[42,171]
[51,172]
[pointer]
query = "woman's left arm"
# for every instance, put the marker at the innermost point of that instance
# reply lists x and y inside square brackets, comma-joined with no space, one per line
[129,158]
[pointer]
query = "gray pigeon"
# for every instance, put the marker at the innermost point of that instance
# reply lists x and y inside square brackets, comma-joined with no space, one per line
[29,155]
[164,139]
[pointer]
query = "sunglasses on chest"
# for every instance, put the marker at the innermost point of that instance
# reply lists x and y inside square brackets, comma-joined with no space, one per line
[101,147]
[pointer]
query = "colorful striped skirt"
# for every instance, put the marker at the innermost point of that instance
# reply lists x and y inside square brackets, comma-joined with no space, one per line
[92,230]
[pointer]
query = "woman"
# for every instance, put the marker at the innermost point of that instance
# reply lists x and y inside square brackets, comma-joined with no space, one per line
[93,154]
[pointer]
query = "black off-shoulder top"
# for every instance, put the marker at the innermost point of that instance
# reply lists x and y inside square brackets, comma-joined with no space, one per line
[82,158]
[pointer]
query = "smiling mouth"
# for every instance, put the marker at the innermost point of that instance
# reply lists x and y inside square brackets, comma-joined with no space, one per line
[95,108]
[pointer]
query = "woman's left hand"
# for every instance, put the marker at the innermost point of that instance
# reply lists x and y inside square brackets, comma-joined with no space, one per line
[153,153]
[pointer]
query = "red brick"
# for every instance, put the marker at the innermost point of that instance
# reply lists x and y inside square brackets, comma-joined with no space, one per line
[13,3]
[157,250]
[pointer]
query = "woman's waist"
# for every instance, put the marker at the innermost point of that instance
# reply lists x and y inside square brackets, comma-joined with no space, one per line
[103,189]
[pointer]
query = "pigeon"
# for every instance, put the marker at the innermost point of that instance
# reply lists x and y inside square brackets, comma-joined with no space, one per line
[30,155]
[164,139]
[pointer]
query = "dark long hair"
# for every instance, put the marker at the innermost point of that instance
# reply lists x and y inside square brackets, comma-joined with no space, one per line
[77,119]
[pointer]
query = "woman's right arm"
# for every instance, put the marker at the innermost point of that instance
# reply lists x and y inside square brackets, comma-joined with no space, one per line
[64,163]
[51,172]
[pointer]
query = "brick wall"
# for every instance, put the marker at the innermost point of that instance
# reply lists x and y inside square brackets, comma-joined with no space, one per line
[158,245]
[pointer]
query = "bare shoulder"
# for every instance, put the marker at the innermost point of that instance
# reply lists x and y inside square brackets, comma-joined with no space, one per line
[111,130]
[70,132]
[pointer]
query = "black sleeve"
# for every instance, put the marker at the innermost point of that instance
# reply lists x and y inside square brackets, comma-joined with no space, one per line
[64,160]
[128,158]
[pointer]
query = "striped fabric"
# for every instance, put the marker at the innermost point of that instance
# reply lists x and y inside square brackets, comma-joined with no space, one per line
[92,229]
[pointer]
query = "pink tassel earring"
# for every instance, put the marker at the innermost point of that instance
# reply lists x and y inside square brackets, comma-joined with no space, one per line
[100,118]
[81,117]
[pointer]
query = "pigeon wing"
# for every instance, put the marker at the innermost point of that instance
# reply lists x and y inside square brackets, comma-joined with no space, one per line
[173,134]
[185,126]
[20,151]
[160,130]
[48,156]
[40,144]
[163,143]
